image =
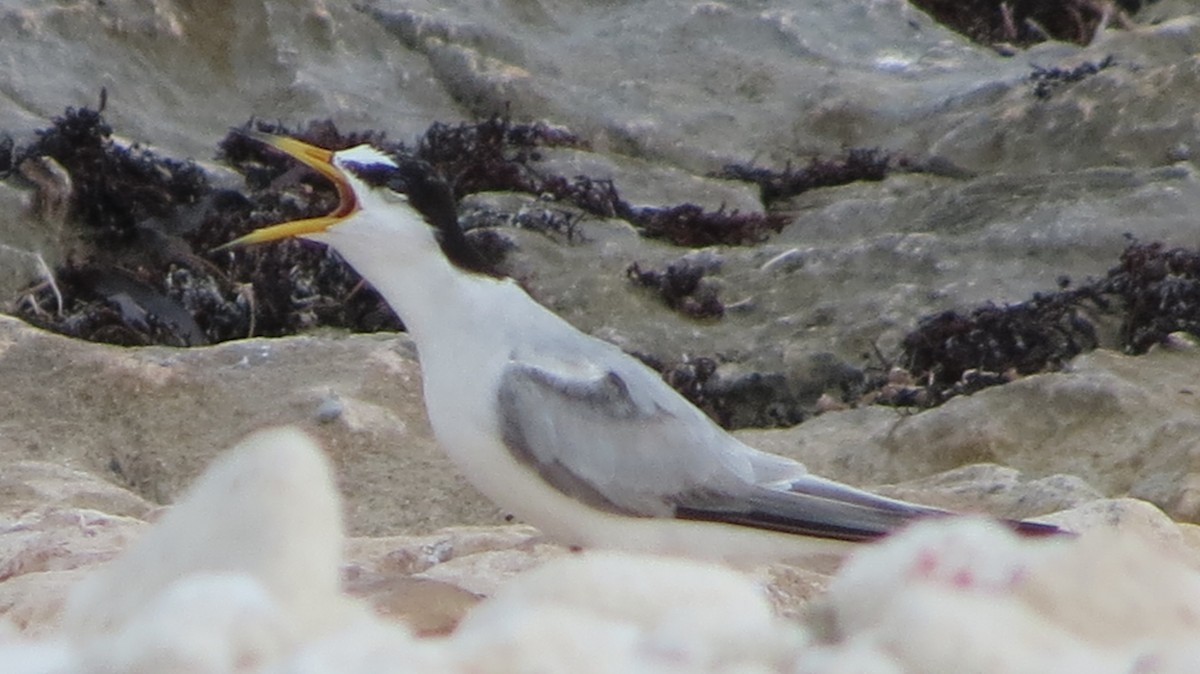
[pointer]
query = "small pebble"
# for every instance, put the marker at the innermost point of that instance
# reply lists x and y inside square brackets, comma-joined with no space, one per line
[330,409]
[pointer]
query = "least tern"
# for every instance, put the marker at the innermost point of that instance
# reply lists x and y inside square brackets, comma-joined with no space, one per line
[562,429]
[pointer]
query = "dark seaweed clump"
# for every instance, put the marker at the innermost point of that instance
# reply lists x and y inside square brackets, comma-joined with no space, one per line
[143,270]
[692,226]
[1034,336]
[1159,290]
[747,400]
[1024,23]
[1153,292]
[859,164]
[1048,80]
[493,155]
[681,285]
[115,187]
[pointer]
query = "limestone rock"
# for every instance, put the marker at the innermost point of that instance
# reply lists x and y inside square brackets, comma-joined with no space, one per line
[180,407]
[1115,424]
[969,596]
[613,612]
[249,574]
[265,522]
[1016,190]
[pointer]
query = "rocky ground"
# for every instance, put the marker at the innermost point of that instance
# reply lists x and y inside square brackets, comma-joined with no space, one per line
[1012,169]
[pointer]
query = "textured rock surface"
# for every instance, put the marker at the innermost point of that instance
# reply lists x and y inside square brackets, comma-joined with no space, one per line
[1111,426]
[1024,188]
[151,419]
[1121,424]
[242,575]
[992,604]
[1021,189]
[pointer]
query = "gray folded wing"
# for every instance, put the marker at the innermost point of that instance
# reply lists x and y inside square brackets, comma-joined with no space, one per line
[621,440]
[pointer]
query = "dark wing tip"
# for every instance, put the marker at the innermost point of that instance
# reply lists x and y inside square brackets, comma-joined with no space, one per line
[781,524]
[839,521]
[1035,529]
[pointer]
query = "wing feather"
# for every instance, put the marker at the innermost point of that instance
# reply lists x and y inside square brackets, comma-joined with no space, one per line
[621,440]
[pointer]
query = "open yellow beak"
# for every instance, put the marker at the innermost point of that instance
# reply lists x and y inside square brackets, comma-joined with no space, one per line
[320,160]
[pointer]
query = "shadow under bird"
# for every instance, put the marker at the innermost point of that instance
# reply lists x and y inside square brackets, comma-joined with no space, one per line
[562,429]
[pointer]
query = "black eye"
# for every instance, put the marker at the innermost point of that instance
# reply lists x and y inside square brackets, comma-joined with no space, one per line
[394,196]
[397,183]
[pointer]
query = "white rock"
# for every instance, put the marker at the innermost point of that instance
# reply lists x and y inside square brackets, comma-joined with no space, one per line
[49,656]
[1117,589]
[939,630]
[200,624]
[367,646]
[965,553]
[554,638]
[1180,660]
[967,595]
[862,656]
[268,510]
[658,612]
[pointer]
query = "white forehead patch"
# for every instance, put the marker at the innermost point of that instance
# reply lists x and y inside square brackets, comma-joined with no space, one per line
[362,154]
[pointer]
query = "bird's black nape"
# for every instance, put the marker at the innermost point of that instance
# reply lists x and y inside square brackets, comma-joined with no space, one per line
[432,197]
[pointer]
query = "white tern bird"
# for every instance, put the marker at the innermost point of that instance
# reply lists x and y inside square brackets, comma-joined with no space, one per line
[562,429]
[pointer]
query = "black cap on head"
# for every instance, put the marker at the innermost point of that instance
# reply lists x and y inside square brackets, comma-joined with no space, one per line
[432,197]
